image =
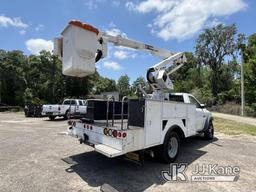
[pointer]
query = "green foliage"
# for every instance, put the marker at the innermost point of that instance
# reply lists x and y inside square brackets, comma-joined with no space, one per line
[140,82]
[39,79]
[103,84]
[249,54]
[123,85]
[212,47]
[203,95]
[11,77]
[188,76]
[212,74]
[28,96]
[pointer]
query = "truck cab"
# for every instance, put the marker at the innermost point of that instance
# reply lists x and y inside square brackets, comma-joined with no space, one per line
[202,114]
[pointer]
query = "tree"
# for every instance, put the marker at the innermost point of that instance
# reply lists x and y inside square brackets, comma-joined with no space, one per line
[103,84]
[123,85]
[140,82]
[212,48]
[249,55]
[28,96]
[188,76]
[40,77]
[12,80]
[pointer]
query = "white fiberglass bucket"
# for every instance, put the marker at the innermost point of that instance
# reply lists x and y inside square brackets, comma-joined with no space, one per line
[79,48]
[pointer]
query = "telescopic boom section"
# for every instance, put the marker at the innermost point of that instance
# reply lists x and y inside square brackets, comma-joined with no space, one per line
[121,41]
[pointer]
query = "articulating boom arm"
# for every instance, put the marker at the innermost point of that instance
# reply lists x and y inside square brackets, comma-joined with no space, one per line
[157,75]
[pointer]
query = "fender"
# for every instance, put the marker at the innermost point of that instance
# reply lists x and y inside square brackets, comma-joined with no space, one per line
[177,129]
[207,122]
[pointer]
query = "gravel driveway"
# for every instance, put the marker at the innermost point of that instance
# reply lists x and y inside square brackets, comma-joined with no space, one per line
[36,156]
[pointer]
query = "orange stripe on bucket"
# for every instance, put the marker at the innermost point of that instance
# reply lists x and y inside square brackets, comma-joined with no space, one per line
[84,26]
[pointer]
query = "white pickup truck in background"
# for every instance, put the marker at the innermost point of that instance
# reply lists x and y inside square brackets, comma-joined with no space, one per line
[69,107]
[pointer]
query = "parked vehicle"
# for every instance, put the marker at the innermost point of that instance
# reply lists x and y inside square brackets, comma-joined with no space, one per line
[151,125]
[156,122]
[33,110]
[3,107]
[69,107]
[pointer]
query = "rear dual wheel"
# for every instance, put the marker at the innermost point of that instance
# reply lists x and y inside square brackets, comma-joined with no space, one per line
[169,151]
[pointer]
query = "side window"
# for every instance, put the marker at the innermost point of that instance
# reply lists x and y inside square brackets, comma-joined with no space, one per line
[176,98]
[67,102]
[194,101]
[80,102]
[73,102]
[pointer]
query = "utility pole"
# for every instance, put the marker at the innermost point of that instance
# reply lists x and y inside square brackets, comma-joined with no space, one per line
[241,48]
[242,85]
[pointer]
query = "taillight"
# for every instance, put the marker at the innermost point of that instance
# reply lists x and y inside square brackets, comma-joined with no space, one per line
[105,131]
[114,133]
[110,132]
[87,126]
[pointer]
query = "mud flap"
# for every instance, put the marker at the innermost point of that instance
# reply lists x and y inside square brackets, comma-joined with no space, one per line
[135,157]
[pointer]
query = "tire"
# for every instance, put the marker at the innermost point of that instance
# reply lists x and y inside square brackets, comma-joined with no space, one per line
[209,133]
[170,148]
[52,118]
[67,115]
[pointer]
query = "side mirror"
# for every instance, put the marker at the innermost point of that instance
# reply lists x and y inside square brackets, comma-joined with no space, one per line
[202,106]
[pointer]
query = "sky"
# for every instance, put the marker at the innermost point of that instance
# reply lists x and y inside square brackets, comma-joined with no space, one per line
[31,25]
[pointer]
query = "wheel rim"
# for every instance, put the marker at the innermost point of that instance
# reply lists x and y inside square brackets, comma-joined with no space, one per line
[173,147]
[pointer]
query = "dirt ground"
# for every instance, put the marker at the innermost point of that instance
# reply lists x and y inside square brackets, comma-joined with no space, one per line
[35,155]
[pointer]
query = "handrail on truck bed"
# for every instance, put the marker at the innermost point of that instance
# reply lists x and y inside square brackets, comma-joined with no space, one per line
[122,113]
[113,99]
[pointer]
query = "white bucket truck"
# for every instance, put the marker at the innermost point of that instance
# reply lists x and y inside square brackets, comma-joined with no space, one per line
[158,121]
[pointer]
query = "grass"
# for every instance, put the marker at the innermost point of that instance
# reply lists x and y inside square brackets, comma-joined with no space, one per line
[233,128]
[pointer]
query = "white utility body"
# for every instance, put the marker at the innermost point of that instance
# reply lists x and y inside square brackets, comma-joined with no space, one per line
[74,107]
[157,121]
[185,115]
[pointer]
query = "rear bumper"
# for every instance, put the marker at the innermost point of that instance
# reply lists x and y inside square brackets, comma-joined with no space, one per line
[108,151]
[102,148]
[51,113]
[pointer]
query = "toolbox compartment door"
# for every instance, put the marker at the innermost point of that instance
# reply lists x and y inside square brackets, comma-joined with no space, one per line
[153,123]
